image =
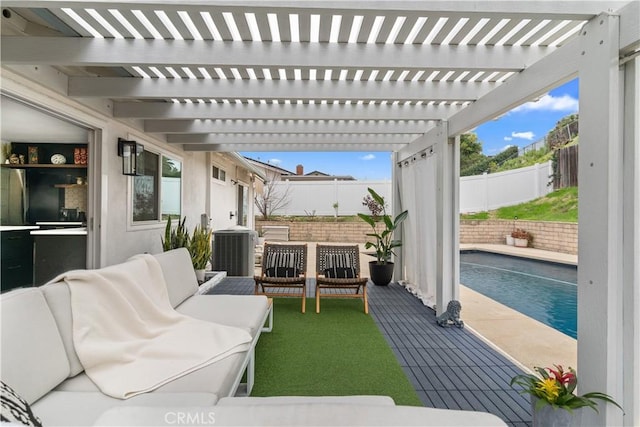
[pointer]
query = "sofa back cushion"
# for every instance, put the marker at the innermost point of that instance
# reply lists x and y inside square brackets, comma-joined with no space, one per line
[33,359]
[58,297]
[179,274]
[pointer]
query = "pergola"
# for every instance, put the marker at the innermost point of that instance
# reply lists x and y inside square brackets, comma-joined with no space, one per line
[404,76]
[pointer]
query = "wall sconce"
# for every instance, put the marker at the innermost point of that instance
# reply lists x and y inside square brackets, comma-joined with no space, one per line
[234,182]
[131,153]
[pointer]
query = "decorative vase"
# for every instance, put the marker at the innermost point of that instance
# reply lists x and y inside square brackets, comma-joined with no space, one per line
[200,275]
[520,243]
[510,240]
[380,274]
[548,416]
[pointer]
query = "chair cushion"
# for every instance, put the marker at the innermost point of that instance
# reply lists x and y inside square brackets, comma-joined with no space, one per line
[340,272]
[277,264]
[15,409]
[339,266]
[282,272]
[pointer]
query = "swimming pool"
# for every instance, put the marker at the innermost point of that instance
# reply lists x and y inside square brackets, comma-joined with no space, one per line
[541,290]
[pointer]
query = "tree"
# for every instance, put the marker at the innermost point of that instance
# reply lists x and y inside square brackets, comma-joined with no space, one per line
[274,196]
[472,161]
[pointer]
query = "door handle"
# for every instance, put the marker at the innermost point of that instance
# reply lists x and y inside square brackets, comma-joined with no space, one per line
[231,214]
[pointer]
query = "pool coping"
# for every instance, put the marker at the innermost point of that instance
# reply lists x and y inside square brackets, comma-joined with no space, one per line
[529,342]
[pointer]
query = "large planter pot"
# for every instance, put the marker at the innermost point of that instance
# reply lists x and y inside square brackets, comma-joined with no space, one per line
[520,243]
[548,416]
[510,240]
[380,274]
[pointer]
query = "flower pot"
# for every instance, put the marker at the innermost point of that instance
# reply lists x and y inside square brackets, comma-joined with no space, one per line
[510,240]
[380,274]
[520,243]
[200,275]
[548,416]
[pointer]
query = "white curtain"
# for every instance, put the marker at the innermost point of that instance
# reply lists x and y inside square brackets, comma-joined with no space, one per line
[418,196]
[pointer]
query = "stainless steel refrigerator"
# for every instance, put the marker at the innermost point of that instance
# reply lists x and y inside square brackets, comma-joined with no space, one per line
[13,194]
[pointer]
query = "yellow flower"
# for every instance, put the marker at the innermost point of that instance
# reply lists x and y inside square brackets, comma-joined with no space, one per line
[549,388]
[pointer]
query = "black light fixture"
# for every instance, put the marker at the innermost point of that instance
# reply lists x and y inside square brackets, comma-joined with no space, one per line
[131,153]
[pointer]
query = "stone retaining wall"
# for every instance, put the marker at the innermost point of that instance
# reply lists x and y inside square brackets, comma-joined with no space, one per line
[300,231]
[550,236]
[547,235]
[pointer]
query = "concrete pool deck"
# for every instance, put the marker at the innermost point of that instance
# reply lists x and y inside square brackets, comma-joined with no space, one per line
[527,341]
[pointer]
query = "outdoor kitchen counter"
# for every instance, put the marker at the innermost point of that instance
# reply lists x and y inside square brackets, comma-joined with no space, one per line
[18,227]
[58,250]
[80,231]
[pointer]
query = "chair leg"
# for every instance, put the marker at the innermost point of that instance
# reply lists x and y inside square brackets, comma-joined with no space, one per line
[304,298]
[317,298]
[366,300]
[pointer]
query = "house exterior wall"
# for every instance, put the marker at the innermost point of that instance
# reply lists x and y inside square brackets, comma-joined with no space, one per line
[113,238]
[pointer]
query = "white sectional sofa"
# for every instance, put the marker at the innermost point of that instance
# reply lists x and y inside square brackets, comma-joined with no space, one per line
[40,363]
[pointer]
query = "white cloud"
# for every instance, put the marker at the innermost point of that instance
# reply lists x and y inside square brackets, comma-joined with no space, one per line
[274,161]
[550,103]
[368,157]
[508,138]
[523,135]
[506,146]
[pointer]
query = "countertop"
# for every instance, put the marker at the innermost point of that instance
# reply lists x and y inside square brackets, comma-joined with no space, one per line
[80,231]
[18,227]
[61,223]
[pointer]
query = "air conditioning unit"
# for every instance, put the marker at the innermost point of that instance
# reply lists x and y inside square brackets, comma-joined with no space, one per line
[234,251]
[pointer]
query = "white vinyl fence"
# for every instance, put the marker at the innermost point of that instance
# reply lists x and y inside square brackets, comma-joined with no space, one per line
[477,193]
[491,191]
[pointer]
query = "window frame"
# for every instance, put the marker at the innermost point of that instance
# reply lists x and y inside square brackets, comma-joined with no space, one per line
[158,222]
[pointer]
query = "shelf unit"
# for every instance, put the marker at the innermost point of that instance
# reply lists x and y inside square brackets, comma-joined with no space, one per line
[45,165]
[70,185]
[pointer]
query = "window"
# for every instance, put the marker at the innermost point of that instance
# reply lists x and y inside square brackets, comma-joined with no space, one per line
[157,192]
[218,174]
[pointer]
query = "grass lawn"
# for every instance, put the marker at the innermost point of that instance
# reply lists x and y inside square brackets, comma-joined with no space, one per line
[560,205]
[337,352]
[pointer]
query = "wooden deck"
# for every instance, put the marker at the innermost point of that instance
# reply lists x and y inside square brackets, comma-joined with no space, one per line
[449,367]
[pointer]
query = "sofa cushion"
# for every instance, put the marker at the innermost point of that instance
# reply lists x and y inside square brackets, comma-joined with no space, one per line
[34,360]
[217,378]
[297,400]
[15,409]
[61,408]
[179,274]
[58,297]
[243,311]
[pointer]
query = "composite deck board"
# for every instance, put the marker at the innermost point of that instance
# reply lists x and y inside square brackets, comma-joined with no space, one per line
[450,368]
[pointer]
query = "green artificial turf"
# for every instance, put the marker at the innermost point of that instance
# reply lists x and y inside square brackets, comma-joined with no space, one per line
[337,352]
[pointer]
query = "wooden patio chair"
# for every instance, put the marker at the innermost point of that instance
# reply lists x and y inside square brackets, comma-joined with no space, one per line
[284,272]
[338,267]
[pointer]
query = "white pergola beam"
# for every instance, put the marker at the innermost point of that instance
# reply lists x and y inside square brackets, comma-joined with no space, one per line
[289,139]
[135,88]
[290,147]
[287,126]
[526,9]
[558,67]
[94,52]
[245,111]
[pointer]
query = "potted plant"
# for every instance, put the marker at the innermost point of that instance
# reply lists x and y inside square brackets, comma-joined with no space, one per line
[200,249]
[175,238]
[381,270]
[552,395]
[509,237]
[521,238]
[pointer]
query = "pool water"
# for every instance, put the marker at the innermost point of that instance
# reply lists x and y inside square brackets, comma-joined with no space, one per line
[541,290]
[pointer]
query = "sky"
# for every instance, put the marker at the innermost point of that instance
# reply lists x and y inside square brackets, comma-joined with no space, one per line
[521,126]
